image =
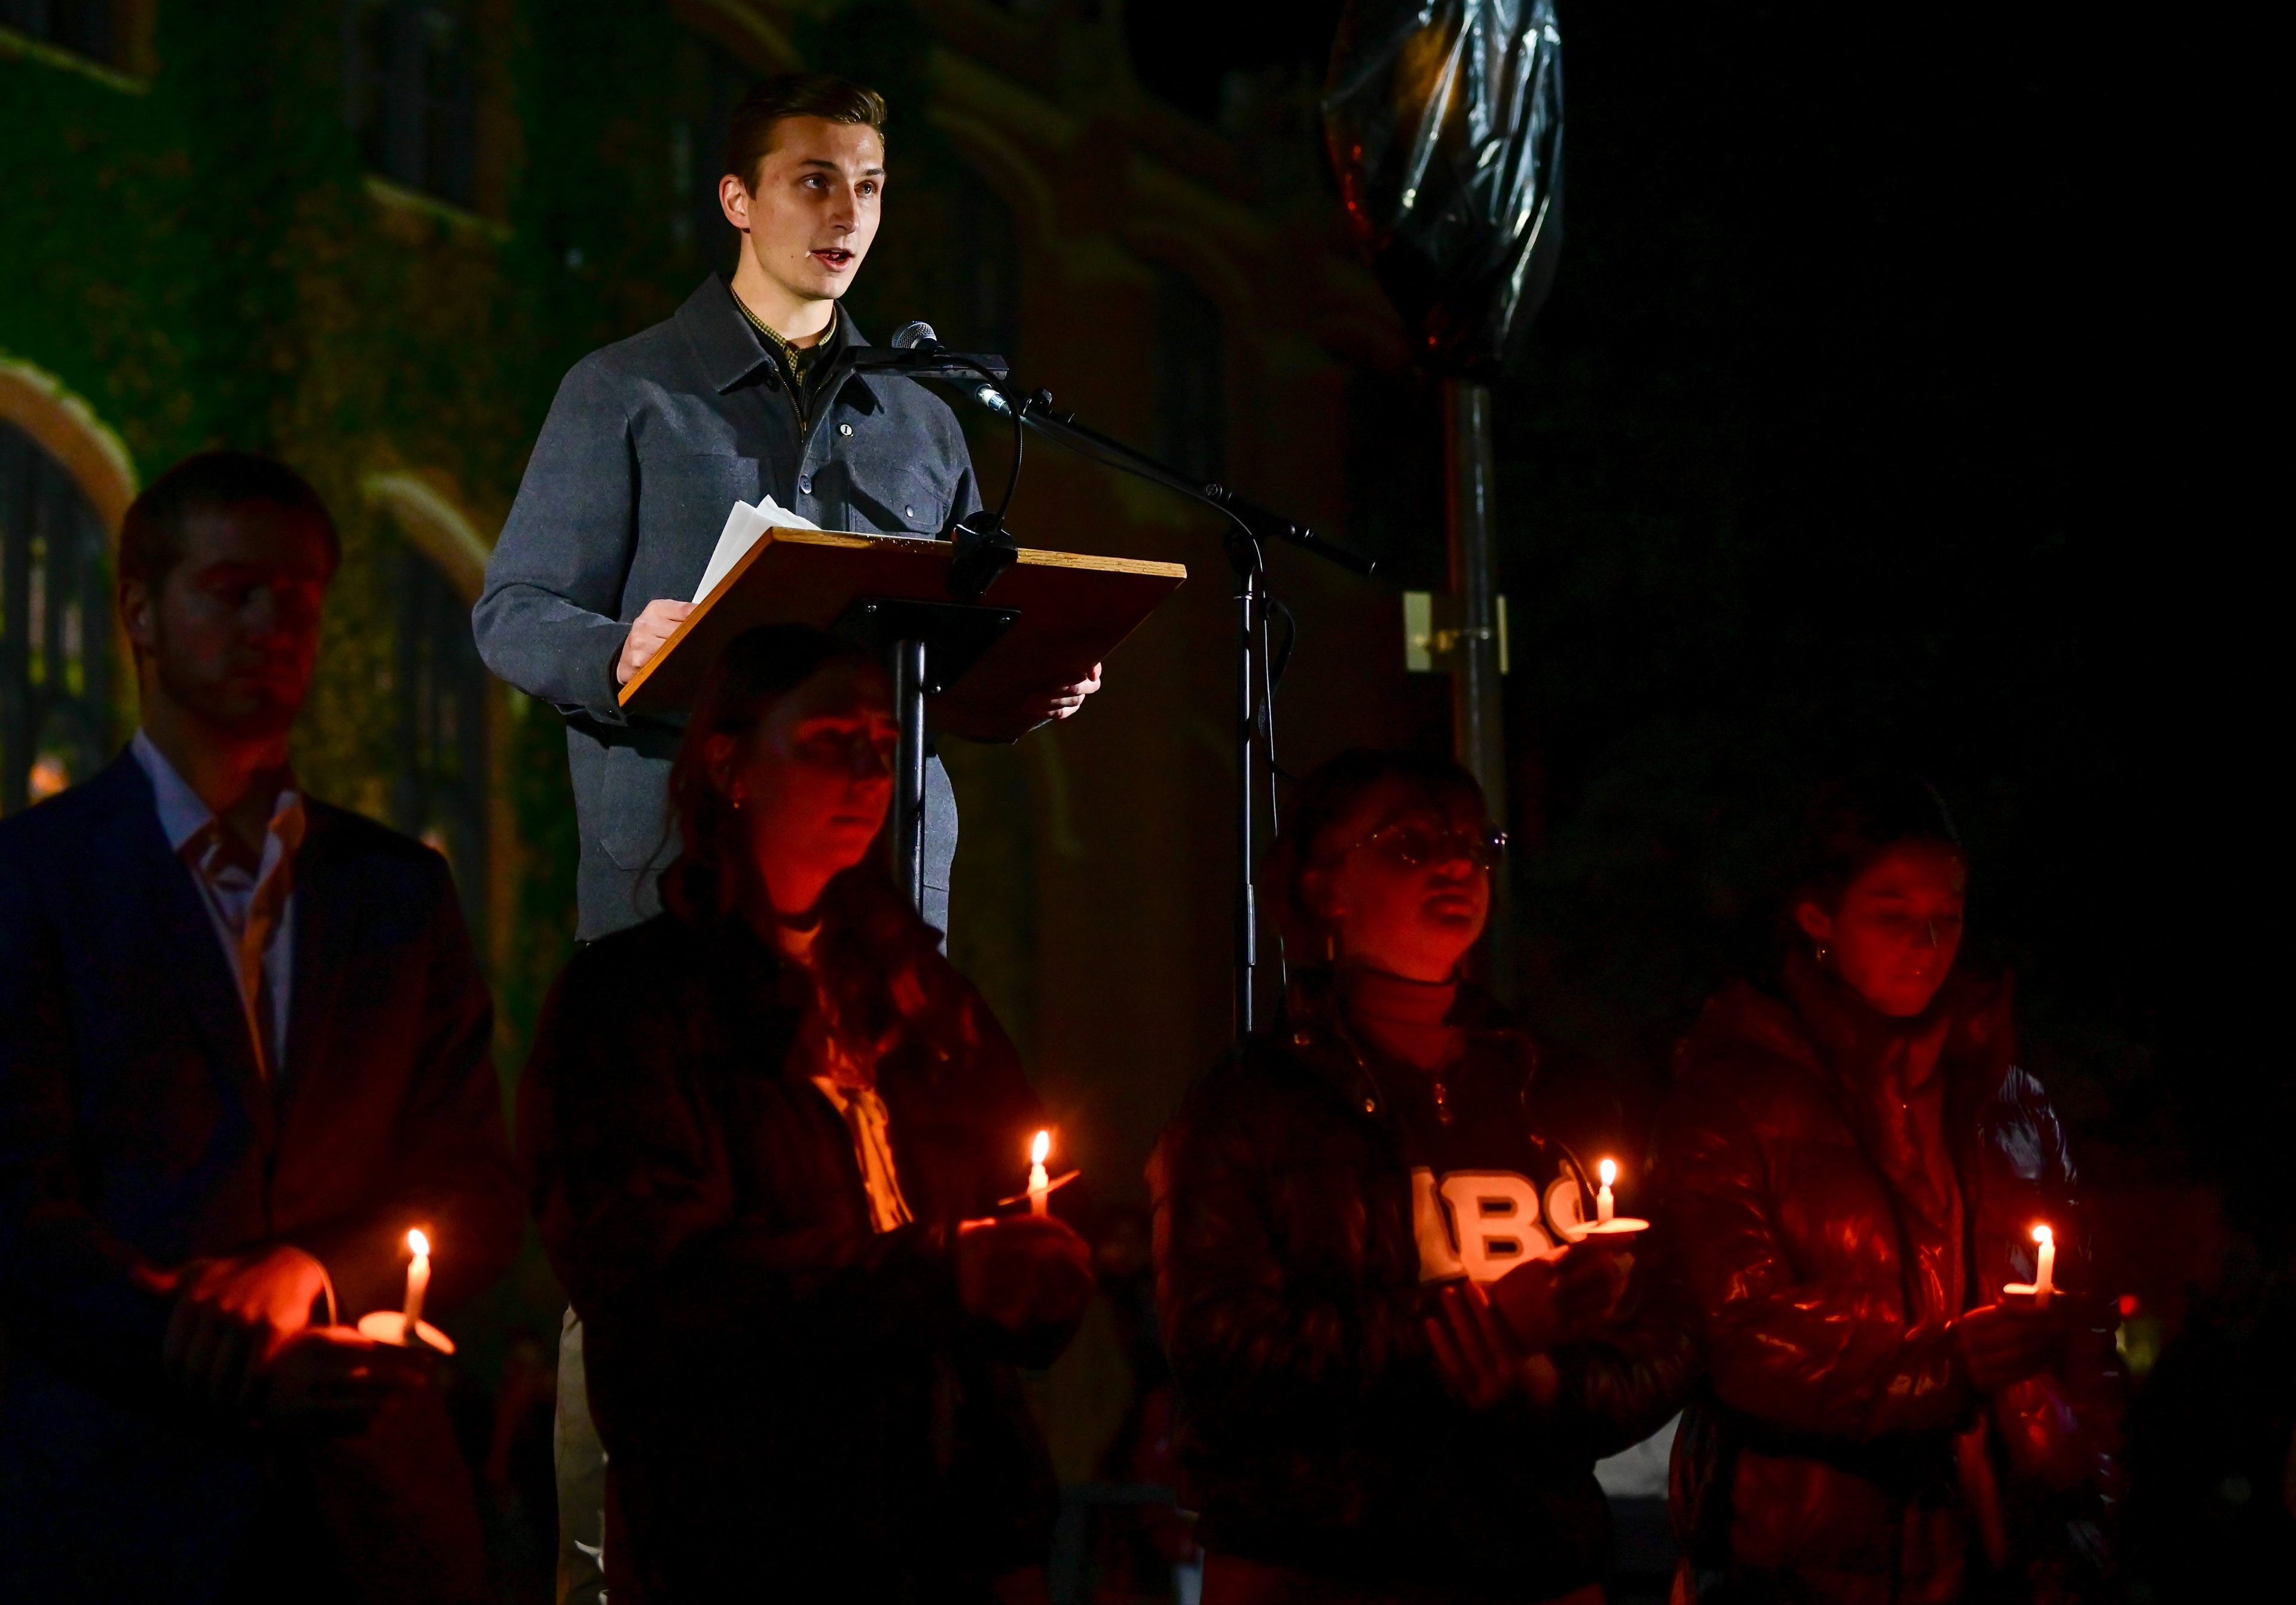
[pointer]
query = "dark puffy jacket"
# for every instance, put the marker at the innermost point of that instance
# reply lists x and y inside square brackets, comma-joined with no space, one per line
[1839,1452]
[1317,1432]
[789,1398]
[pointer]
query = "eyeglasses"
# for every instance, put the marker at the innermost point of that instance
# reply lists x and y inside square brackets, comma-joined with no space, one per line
[1415,843]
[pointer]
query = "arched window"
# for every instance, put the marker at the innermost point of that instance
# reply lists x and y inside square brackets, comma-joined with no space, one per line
[442,691]
[1190,388]
[410,92]
[55,628]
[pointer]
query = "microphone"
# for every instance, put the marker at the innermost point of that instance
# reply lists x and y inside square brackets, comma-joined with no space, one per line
[918,351]
[917,336]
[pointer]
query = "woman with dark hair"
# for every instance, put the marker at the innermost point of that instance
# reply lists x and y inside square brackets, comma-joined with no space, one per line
[1398,1355]
[766,1129]
[1856,1166]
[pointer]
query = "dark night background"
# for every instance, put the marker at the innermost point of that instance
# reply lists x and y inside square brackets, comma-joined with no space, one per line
[1876,416]
[1889,408]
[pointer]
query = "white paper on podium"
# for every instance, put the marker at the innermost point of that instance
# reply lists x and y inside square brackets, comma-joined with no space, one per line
[743,525]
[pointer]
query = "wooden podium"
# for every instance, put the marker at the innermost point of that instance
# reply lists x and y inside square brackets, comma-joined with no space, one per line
[1045,621]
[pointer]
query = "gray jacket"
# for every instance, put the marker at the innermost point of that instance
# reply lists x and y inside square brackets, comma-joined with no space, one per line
[648,443]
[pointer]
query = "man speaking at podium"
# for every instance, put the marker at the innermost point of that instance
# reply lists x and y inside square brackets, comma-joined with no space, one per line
[738,397]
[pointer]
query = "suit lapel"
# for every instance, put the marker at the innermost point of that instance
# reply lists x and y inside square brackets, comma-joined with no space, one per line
[192,957]
[325,930]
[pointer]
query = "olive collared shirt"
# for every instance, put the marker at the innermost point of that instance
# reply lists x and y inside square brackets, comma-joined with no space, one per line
[801,366]
[649,444]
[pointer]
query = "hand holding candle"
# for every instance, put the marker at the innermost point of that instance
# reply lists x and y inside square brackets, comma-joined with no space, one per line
[2008,1341]
[1023,1272]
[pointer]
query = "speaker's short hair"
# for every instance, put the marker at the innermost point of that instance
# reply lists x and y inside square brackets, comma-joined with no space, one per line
[152,536]
[749,132]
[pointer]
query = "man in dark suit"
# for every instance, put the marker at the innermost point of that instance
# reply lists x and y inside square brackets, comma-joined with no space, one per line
[243,1050]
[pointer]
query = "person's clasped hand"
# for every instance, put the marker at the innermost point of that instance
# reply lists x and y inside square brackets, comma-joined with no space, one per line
[239,1341]
[1489,1342]
[1998,1344]
[1479,1359]
[231,1316]
[333,1380]
[1568,1297]
[1023,1271]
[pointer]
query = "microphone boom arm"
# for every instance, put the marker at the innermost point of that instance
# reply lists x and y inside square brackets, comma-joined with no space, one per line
[1260,523]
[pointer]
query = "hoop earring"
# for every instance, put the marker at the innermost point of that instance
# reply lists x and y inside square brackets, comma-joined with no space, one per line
[1331,947]
[1817,951]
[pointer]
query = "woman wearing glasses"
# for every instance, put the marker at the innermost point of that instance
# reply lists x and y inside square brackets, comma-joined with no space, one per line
[1397,1359]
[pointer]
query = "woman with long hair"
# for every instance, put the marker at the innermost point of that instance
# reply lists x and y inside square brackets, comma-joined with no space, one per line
[1856,1168]
[1399,1354]
[768,1130]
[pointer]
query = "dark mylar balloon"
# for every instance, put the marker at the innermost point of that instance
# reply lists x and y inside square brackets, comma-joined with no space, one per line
[1445,122]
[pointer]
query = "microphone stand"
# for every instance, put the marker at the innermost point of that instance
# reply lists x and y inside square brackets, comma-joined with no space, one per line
[984,548]
[1252,528]
[1250,533]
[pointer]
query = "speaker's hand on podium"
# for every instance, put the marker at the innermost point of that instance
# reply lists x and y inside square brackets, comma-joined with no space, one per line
[1060,701]
[656,623]
[957,713]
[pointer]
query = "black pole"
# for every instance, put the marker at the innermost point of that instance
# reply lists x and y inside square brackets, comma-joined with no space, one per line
[1477,708]
[908,832]
[1244,553]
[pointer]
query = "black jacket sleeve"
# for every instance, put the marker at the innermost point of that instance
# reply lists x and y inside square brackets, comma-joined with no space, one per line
[1617,1391]
[1265,1304]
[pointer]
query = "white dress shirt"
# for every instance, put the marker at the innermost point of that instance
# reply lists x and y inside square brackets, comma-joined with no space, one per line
[253,911]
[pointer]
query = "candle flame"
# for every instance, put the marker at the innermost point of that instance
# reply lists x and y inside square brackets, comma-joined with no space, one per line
[1607,1170]
[2042,1234]
[419,1244]
[1042,1146]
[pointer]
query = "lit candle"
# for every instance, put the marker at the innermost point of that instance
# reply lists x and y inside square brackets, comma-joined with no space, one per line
[1040,1185]
[2044,1282]
[1608,1172]
[418,1283]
